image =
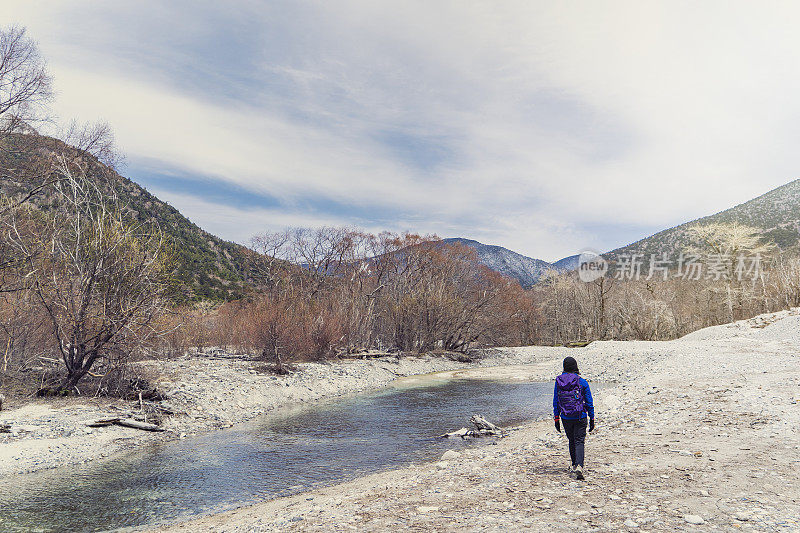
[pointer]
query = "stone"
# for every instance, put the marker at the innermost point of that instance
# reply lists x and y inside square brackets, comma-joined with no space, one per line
[693,519]
[442,465]
[611,403]
[427,509]
[450,454]
[631,523]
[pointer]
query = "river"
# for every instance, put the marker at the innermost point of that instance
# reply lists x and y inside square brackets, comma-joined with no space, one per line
[289,451]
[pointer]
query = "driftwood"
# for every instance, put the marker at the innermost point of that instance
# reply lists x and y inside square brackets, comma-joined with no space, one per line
[484,425]
[126,422]
[131,423]
[103,422]
[483,428]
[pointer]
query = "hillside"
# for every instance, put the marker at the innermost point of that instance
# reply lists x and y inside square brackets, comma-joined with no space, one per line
[208,268]
[526,270]
[776,213]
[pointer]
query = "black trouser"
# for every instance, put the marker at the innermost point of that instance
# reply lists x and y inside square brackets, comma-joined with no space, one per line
[575,430]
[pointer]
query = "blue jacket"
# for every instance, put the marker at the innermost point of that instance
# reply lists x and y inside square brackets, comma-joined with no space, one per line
[587,401]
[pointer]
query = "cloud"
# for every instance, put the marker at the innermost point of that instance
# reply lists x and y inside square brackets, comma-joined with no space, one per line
[545,127]
[236,223]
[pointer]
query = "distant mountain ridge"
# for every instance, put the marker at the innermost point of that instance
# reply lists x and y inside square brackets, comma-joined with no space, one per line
[210,268]
[776,213]
[526,270]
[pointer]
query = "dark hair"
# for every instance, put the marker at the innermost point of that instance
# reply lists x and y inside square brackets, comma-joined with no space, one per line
[571,365]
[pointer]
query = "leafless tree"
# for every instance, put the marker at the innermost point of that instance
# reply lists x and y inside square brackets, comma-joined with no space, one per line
[729,245]
[99,279]
[25,85]
[95,139]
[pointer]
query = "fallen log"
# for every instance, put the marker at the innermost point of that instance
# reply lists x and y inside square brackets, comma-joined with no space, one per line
[482,424]
[460,433]
[103,422]
[131,423]
[126,422]
[483,428]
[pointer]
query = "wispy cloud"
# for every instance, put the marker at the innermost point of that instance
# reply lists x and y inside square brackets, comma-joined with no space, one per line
[544,127]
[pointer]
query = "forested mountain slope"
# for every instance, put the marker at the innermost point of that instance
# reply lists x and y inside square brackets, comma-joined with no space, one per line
[207,267]
[776,213]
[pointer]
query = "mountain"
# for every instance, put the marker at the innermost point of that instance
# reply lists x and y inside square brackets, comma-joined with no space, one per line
[566,264]
[524,269]
[776,213]
[208,268]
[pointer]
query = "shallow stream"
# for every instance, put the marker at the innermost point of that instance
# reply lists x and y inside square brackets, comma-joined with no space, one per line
[286,452]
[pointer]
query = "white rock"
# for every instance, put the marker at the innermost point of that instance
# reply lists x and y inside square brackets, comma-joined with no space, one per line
[631,523]
[442,465]
[450,454]
[611,403]
[427,509]
[693,519]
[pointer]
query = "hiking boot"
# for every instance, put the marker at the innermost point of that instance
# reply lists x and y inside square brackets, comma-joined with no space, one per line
[571,469]
[579,472]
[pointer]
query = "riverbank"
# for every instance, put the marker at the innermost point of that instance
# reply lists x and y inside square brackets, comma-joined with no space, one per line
[206,392]
[701,435]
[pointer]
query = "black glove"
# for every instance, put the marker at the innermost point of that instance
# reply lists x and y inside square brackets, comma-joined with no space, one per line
[591,424]
[558,425]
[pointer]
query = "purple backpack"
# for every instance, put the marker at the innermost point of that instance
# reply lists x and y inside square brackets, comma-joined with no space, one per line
[570,395]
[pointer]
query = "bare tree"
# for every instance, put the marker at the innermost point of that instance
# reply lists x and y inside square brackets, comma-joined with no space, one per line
[25,85]
[95,139]
[273,253]
[25,89]
[100,280]
[729,246]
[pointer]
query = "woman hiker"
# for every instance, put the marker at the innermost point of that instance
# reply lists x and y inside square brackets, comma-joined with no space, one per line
[572,401]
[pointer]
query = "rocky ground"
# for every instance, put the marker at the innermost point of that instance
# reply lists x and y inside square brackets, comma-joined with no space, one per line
[206,392]
[700,435]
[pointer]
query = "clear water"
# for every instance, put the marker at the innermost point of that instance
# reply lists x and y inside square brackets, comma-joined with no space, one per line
[277,455]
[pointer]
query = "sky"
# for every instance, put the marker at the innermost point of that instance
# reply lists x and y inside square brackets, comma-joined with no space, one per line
[544,127]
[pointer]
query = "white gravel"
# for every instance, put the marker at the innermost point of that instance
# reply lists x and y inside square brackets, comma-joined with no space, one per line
[700,434]
[206,393]
[703,426]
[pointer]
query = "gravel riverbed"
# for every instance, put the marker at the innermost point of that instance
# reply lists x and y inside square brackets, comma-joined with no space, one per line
[206,392]
[700,434]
